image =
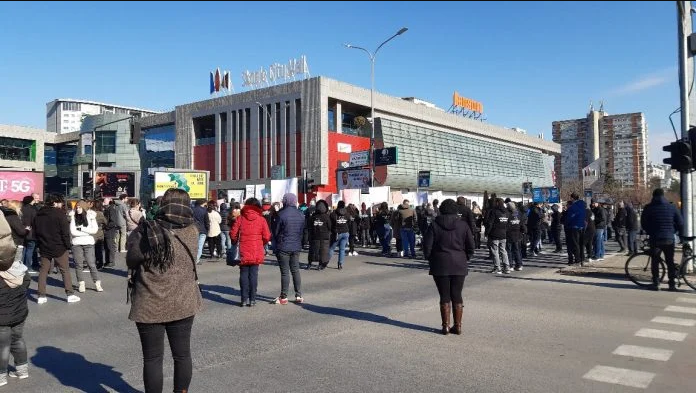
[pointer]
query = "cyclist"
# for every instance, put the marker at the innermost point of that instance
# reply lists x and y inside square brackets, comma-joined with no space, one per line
[661,220]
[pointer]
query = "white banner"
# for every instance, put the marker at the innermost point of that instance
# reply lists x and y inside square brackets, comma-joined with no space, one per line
[250,191]
[281,187]
[379,195]
[359,158]
[260,191]
[357,178]
[351,196]
[237,195]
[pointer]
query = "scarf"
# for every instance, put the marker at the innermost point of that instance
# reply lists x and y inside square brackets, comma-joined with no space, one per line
[160,252]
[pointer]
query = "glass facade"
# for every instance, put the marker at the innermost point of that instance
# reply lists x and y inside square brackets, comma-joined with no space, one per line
[464,163]
[156,153]
[58,167]
[106,142]
[17,149]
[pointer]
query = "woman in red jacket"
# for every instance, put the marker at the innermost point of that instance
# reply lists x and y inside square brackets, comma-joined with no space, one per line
[250,232]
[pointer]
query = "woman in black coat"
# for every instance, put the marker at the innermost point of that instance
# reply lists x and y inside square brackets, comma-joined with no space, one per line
[448,246]
[14,283]
[319,225]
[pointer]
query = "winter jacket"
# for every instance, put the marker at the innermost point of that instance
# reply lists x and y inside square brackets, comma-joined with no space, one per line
[382,219]
[8,249]
[448,245]
[556,220]
[13,302]
[319,235]
[167,296]
[514,230]
[122,210]
[467,215]
[83,235]
[661,220]
[101,223]
[600,217]
[19,231]
[52,232]
[395,221]
[287,233]
[407,217]
[339,221]
[113,217]
[620,219]
[214,221]
[575,216]
[631,219]
[200,217]
[534,219]
[251,233]
[28,214]
[365,220]
[589,225]
[498,221]
[224,212]
[133,218]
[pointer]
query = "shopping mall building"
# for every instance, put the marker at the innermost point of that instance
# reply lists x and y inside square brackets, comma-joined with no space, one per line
[311,125]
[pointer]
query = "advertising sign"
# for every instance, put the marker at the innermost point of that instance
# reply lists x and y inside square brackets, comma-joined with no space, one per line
[545,195]
[386,156]
[527,188]
[424,179]
[466,103]
[359,158]
[353,179]
[195,183]
[15,185]
[110,184]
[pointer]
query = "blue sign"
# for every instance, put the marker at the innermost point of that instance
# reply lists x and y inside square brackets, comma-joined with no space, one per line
[424,179]
[545,195]
[386,156]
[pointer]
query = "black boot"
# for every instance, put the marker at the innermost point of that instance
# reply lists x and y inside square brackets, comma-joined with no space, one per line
[445,310]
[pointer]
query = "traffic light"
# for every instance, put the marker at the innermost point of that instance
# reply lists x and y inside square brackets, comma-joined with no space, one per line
[680,158]
[135,133]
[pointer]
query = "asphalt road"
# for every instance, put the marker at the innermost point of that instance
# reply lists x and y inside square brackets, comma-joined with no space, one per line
[372,328]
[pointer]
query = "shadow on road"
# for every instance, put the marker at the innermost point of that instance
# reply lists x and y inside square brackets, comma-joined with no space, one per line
[213,292]
[73,371]
[405,265]
[626,285]
[366,317]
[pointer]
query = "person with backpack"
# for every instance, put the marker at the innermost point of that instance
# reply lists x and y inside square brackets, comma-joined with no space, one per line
[407,218]
[383,228]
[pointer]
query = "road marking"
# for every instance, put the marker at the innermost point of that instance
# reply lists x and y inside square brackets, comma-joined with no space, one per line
[687,300]
[685,310]
[675,321]
[643,352]
[620,376]
[661,334]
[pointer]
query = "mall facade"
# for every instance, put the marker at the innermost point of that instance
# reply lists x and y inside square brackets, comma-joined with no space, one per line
[314,125]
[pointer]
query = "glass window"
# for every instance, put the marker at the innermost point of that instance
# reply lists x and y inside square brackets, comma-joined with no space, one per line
[332,119]
[72,106]
[17,149]
[106,142]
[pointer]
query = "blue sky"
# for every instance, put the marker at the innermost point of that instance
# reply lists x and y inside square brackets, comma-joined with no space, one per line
[528,63]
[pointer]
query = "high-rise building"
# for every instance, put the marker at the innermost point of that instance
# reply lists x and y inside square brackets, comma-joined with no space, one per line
[66,115]
[619,140]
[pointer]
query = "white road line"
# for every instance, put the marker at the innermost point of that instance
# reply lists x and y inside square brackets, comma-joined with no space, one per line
[675,321]
[644,352]
[691,300]
[620,376]
[661,334]
[685,310]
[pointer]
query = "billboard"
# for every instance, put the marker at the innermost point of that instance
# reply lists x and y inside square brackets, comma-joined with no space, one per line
[386,156]
[110,184]
[359,158]
[15,185]
[195,183]
[352,179]
[545,195]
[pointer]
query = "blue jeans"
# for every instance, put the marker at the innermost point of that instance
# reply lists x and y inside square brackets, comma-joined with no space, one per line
[226,241]
[408,239]
[29,247]
[385,237]
[248,282]
[201,243]
[632,244]
[341,240]
[599,243]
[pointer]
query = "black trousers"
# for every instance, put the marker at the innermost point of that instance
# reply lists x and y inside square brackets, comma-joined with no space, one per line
[450,288]
[574,245]
[557,238]
[152,340]
[477,237]
[667,248]
[588,243]
[214,244]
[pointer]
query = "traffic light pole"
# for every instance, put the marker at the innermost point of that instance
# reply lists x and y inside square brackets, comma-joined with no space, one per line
[684,30]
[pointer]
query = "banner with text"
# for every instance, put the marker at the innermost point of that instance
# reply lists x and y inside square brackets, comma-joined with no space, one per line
[195,183]
[357,178]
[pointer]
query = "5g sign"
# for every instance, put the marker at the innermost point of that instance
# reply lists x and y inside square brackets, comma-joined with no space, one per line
[23,186]
[16,185]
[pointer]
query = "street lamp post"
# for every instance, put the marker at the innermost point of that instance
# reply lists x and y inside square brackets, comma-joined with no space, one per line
[372,56]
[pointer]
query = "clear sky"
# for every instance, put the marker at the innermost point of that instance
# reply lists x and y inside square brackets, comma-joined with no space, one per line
[529,63]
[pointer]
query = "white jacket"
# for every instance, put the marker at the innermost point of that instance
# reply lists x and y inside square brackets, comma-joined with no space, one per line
[84,236]
[215,220]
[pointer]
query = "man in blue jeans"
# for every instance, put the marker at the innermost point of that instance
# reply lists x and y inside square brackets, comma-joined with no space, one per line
[287,237]
[408,223]
[340,229]
[600,221]
[200,217]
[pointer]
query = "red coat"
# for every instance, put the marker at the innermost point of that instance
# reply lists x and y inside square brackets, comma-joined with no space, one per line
[251,233]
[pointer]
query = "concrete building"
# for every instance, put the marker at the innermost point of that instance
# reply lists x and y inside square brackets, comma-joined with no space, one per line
[314,124]
[65,115]
[619,140]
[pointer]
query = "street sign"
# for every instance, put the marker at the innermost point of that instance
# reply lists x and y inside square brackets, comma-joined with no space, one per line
[359,158]
[527,188]
[588,193]
[386,156]
[278,172]
[424,179]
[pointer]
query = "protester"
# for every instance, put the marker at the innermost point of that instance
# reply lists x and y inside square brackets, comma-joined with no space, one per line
[200,216]
[100,249]
[287,235]
[319,236]
[448,246]
[407,218]
[340,232]
[165,294]
[661,221]
[232,216]
[225,241]
[497,222]
[29,211]
[122,204]
[514,236]
[383,228]
[12,212]
[251,232]
[83,227]
[134,215]
[214,221]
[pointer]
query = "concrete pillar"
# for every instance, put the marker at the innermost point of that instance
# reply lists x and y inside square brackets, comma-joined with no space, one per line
[339,117]
[218,146]
[228,146]
[255,143]
[283,137]
[242,145]
[292,165]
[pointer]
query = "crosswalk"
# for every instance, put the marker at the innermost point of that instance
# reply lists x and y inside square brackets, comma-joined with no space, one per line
[643,378]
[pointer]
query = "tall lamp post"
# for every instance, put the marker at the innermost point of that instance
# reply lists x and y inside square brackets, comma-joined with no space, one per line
[372,94]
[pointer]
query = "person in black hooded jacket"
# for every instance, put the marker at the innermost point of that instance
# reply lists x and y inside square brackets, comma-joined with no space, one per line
[340,232]
[448,246]
[498,220]
[13,315]
[319,236]
[514,236]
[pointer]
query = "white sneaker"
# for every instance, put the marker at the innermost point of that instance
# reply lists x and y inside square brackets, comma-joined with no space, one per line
[73,299]
[81,287]
[21,372]
[41,300]
[355,253]
[97,285]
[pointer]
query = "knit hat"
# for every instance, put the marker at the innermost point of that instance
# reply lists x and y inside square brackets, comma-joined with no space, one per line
[289,199]
[449,206]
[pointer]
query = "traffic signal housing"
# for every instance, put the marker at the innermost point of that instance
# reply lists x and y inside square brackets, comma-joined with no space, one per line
[680,156]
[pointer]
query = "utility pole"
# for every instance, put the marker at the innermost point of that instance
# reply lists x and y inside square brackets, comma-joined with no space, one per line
[684,31]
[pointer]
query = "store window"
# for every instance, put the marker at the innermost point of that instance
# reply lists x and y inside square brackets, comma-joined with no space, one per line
[106,142]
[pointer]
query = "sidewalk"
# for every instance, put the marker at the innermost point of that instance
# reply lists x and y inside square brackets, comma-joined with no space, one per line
[612,266]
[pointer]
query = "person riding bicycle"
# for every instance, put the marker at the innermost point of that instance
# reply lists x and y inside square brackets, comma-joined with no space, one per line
[661,220]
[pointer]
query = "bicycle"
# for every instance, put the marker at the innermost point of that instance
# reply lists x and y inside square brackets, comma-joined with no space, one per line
[639,266]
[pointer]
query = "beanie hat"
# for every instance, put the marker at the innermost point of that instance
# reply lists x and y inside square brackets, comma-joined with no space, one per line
[449,206]
[289,199]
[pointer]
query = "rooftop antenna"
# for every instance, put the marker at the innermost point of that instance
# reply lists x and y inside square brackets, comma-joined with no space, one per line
[591,106]
[601,106]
